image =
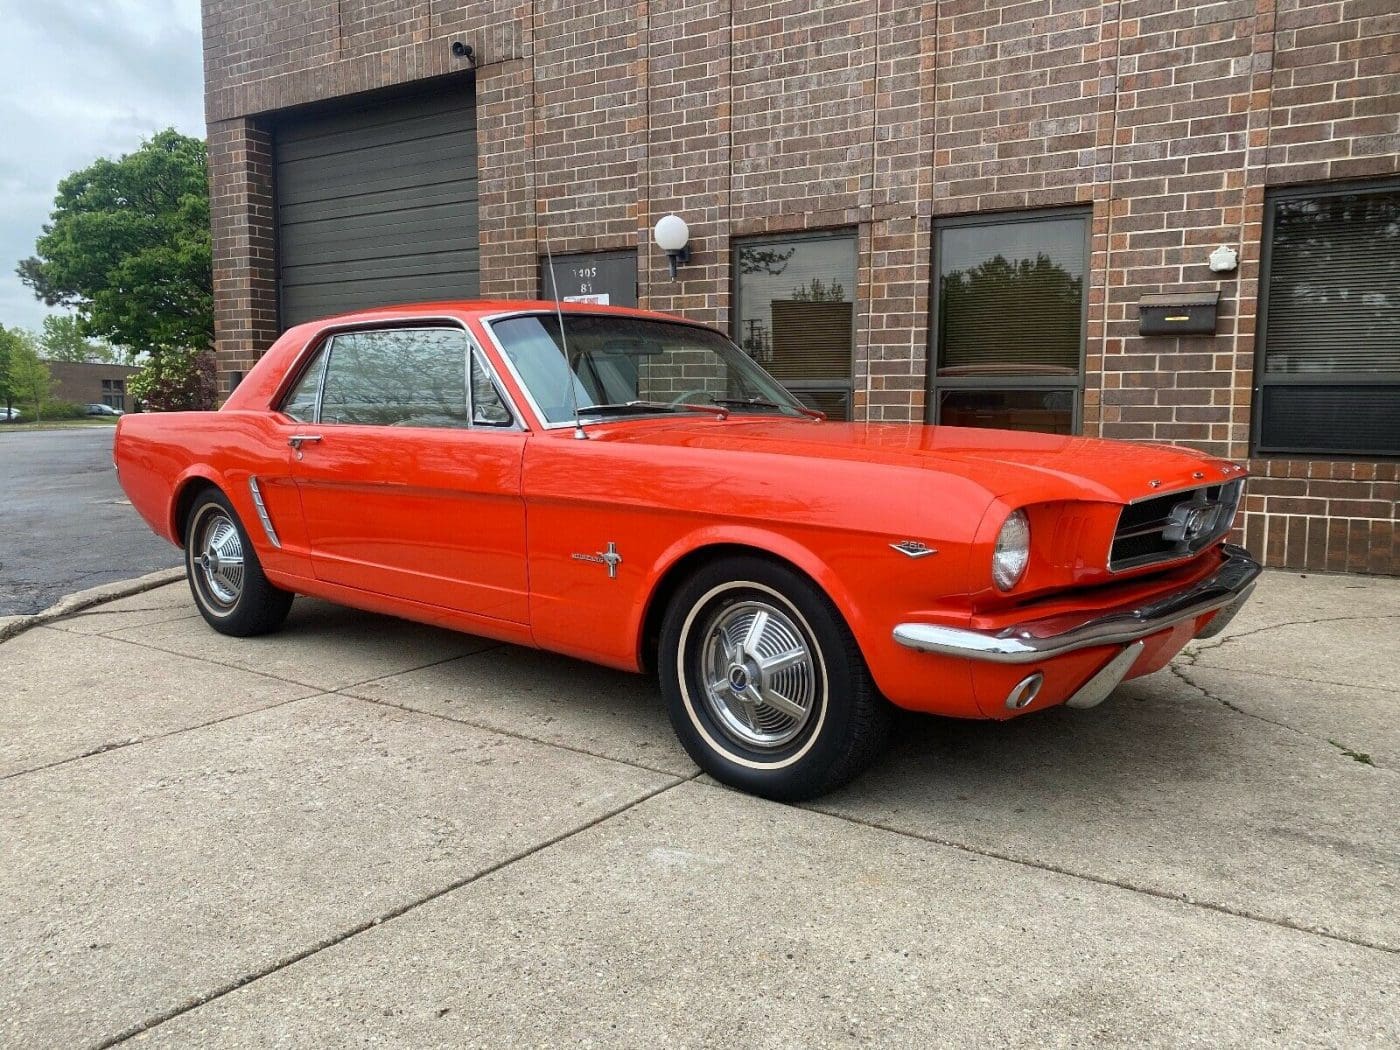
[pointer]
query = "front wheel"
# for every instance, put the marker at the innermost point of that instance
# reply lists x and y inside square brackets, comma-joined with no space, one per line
[226,578]
[764,683]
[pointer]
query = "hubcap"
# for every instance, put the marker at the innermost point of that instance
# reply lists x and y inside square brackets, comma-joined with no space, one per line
[760,680]
[220,558]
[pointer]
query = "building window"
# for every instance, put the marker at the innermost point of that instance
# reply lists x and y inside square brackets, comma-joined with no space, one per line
[1008,331]
[795,314]
[1328,378]
[114,393]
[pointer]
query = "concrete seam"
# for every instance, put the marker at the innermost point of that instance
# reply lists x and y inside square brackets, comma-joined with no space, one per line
[512,734]
[106,749]
[1104,881]
[100,595]
[384,917]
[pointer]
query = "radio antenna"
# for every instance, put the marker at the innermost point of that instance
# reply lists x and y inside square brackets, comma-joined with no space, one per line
[569,378]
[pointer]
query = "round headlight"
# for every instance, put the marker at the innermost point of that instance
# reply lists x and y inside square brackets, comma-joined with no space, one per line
[1013,551]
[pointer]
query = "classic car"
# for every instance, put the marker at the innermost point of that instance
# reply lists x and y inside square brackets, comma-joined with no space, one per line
[632,489]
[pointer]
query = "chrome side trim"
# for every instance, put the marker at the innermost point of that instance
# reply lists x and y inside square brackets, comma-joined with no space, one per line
[262,512]
[1230,585]
[1095,691]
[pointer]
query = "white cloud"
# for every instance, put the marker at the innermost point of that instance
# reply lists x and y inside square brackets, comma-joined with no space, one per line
[83,79]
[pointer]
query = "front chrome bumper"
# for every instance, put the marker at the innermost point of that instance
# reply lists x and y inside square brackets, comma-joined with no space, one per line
[1226,589]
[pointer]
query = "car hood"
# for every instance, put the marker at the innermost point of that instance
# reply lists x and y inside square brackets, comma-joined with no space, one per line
[1026,466]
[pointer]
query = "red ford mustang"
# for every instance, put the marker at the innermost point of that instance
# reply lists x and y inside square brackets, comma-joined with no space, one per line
[632,489]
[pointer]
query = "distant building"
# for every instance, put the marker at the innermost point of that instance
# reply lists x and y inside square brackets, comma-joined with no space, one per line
[945,212]
[92,384]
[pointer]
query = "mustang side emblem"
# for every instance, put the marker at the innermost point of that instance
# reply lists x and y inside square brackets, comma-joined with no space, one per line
[609,557]
[914,548]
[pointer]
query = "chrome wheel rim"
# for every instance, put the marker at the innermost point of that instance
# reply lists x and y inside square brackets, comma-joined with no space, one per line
[760,679]
[218,558]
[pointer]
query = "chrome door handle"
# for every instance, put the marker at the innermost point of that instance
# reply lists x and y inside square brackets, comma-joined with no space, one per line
[297,440]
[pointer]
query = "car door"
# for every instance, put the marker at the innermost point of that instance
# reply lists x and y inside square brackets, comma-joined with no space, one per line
[410,476]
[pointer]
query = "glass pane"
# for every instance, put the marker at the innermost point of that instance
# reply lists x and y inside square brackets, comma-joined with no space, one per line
[797,306]
[617,360]
[488,409]
[1046,411]
[398,377]
[301,402]
[1341,420]
[1334,284]
[1011,298]
[835,403]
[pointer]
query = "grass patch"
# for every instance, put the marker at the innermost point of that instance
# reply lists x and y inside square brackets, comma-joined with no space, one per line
[1355,756]
[60,424]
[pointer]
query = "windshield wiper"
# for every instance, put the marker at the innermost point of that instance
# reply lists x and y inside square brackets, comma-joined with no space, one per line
[763,402]
[633,408]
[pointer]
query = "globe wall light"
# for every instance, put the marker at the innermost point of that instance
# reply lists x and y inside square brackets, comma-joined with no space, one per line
[672,236]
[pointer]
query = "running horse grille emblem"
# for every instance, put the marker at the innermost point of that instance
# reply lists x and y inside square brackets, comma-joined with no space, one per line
[609,557]
[1189,521]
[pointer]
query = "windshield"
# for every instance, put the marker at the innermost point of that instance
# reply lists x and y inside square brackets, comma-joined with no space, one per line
[660,365]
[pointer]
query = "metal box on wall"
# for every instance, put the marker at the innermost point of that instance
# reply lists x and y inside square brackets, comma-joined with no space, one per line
[1178,313]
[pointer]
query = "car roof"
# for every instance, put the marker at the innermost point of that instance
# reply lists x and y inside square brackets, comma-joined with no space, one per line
[478,308]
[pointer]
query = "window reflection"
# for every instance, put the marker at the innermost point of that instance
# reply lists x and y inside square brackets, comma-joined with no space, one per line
[796,314]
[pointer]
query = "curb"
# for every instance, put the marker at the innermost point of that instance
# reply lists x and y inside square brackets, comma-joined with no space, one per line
[100,595]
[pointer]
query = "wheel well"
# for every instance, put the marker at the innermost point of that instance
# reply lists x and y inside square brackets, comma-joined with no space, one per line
[682,570]
[184,503]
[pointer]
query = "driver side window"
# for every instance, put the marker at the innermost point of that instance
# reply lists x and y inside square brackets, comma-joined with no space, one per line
[397,377]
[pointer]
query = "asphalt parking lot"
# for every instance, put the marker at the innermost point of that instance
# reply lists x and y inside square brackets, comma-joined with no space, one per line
[364,832]
[64,522]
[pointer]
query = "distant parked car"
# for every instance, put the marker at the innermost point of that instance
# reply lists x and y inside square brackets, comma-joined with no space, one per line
[103,410]
[10,415]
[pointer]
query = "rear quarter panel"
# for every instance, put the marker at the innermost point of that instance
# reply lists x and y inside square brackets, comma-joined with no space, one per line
[159,454]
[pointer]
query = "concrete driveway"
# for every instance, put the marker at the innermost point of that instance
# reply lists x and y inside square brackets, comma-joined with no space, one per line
[365,832]
[65,523]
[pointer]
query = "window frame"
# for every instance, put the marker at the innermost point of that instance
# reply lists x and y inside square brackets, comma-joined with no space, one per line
[318,355]
[936,384]
[1262,379]
[797,387]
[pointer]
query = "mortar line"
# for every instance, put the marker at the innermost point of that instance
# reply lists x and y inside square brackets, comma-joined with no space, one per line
[513,734]
[1102,880]
[384,917]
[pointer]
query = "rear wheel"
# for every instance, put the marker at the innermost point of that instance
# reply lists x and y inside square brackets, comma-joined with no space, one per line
[764,683]
[226,578]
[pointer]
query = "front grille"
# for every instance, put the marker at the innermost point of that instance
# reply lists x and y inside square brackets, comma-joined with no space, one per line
[1174,525]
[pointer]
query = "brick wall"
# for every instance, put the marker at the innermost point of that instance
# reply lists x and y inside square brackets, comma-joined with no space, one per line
[1165,120]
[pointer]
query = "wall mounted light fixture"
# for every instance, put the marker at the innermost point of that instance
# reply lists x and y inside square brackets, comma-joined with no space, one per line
[672,236]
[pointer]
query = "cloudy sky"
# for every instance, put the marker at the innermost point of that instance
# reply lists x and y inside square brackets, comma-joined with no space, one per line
[83,79]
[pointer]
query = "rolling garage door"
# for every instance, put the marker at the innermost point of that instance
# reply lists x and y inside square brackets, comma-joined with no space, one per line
[378,205]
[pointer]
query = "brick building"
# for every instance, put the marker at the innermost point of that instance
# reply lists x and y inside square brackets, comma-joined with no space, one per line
[944,211]
[91,383]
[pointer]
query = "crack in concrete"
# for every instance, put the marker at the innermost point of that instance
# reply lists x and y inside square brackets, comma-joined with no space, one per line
[1229,638]
[386,916]
[1178,670]
[1179,673]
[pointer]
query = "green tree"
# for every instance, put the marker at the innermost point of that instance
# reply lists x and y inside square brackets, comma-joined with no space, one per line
[30,379]
[9,342]
[128,250]
[63,340]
